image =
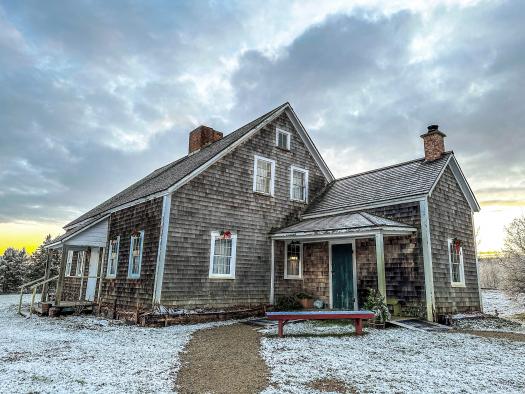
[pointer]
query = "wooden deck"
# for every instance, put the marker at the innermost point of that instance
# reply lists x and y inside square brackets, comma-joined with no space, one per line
[66,307]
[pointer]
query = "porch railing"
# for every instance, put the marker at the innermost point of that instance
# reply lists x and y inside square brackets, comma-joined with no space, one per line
[33,285]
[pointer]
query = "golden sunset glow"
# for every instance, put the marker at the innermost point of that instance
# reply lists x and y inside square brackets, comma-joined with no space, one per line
[28,235]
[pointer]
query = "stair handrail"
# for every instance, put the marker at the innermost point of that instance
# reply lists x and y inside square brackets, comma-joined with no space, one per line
[33,285]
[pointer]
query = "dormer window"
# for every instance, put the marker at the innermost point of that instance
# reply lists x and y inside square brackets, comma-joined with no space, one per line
[282,139]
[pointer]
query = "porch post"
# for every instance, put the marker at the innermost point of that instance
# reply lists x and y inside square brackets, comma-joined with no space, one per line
[272,272]
[47,274]
[380,259]
[61,274]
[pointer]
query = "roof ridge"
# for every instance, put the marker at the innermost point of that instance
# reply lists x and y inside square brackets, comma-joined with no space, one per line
[388,167]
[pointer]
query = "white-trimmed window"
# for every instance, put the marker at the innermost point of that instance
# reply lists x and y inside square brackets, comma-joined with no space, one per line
[135,255]
[282,139]
[222,254]
[298,184]
[455,259]
[81,260]
[113,258]
[263,175]
[69,263]
[293,261]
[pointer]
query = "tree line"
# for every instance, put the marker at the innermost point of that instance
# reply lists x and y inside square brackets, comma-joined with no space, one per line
[506,270]
[18,267]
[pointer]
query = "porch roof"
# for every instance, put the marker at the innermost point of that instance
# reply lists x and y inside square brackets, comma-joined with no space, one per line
[91,233]
[355,223]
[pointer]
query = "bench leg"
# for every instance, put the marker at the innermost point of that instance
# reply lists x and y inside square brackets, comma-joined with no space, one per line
[280,328]
[358,327]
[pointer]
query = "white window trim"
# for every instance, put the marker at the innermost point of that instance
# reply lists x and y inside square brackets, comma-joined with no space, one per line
[461,283]
[108,274]
[130,261]
[69,263]
[286,276]
[305,172]
[231,275]
[83,254]
[272,180]
[289,140]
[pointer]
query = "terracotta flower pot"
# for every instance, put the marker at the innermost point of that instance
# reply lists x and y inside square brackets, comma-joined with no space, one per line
[306,303]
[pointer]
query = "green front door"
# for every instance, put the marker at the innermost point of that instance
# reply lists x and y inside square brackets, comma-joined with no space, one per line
[342,277]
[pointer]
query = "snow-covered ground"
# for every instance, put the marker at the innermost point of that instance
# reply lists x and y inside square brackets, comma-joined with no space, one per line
[504,304]
[85,354]
[393,361]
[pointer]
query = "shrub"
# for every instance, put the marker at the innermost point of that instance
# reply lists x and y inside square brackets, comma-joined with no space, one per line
[375,302]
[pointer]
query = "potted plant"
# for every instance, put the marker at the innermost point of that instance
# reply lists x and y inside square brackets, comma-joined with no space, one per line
[375,302]
[306,300]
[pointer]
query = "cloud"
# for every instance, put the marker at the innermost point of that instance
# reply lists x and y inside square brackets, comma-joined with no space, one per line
[95,94]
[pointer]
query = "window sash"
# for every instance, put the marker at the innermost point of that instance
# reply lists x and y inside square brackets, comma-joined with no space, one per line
[298,184]
[293,260]
[113,258]
[81,258]
[69,263]
[222,256]
[457,269]
[264,172]
[135,255]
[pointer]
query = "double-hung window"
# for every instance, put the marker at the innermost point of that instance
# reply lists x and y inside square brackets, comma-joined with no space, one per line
[293,264]
[81,259]
[298,184]
[69,262]
[455,258]
[282,139]
[222,254]
[113,258]
[135,255]
[263,175]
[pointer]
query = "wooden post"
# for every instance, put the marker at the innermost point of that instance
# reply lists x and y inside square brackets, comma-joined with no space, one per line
[280,328]
[272,272]
[380,258]
[32,301]
[61,275]
[358,326]
[101,274]
[47,275]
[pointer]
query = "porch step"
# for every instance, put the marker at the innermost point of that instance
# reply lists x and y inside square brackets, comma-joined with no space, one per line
[420,325]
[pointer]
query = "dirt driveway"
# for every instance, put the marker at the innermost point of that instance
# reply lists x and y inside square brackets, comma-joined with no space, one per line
[223,360]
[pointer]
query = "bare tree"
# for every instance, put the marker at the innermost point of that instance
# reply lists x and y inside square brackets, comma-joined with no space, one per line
[514,251]
[491,272]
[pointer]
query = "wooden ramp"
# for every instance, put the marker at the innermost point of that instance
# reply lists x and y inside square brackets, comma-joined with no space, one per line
[419,325]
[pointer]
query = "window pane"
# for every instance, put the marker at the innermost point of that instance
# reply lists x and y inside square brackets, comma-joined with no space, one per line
[294,259]
[263,176]
[282,140]
[299,185]
[455,259]
[222,256]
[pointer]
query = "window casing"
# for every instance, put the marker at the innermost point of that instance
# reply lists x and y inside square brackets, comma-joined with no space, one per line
[69,263]
[457,269]
[223,251]
[298,184]
[81,260]
[113,258]
[283,139]
[263,175]
[293,261]
[135,255]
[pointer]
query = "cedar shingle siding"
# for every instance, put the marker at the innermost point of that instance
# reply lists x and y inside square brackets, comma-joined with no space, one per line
[122,292]
[221,198]
[450,216]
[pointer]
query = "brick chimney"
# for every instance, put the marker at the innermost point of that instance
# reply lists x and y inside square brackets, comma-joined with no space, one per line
[202,136]
[434,142]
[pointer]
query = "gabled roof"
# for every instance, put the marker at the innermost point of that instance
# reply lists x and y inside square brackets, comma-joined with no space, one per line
[166,179]
[409,180]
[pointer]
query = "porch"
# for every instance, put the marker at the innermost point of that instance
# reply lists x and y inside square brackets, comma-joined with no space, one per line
[337,259]
[78,283]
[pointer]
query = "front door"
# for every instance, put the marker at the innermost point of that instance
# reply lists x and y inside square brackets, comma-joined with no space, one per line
[93,272]
[342,277]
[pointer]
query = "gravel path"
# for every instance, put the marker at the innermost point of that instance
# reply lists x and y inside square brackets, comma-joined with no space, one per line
[223,360]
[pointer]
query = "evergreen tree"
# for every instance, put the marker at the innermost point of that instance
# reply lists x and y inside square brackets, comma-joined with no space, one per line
[12,269]
[36,264]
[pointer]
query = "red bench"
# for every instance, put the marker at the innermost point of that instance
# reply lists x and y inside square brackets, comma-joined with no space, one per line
[283,317]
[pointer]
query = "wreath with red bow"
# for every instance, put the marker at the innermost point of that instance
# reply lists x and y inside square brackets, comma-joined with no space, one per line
[457,243]
[225,234]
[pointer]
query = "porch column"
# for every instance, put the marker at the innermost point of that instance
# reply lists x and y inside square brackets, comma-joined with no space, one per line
[272,272]
[380,259]
[47,275]
[61,274]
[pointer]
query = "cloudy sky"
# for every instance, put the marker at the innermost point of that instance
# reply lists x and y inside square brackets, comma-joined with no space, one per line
[95,95]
